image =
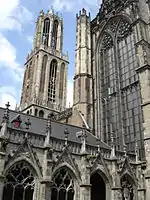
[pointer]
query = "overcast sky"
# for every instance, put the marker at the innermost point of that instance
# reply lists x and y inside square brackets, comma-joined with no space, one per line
[17,25]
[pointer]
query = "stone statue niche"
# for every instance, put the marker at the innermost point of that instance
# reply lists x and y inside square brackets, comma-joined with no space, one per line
[127,189]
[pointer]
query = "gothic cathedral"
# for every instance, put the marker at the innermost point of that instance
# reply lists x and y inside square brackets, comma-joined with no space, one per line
[98,149]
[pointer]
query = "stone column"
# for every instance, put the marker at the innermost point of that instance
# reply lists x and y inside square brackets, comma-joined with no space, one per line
[59,36]
[2,162]
[85,187]
[38,73]
[45,190]
[51,29]
[116,193]
[85,192]
[45,97]
[46,182]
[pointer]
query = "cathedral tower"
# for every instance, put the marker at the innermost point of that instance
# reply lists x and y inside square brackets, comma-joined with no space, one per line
[83,78]
[45,77]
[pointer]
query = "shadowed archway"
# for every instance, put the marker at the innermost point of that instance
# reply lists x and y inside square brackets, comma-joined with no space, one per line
[98,187]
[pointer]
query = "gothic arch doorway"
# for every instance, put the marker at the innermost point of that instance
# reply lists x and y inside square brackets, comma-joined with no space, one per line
[19,183]
[98,187]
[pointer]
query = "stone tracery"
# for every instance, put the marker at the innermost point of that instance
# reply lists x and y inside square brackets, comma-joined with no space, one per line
[19,183]
[63,185]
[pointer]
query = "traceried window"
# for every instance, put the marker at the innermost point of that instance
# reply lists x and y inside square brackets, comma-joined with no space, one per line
[19,183]
[52,81]
[63,185]
[46,30]
[54,34]
[120,90]
[42,81]
[62,76]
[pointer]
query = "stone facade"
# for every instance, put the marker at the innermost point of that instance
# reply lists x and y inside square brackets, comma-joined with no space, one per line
[100,147]
[64,158]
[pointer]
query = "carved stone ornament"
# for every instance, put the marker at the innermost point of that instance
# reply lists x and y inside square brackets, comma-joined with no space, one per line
[127,189]
[109,6]
[66,157]
[147,147]
[25,150]
[124,29]
[107,41]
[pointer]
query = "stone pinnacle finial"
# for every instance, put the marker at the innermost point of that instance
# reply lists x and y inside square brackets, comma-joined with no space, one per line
[83,11]
[125,150]
[98,146]
[82,135]
[5,121]
[48,130]
[136,150]
[41,13]
[113,153]
[66,133]
[6,114]
[28,124]
[51,11]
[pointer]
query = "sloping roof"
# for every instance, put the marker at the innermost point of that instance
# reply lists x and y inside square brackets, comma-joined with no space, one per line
[38,126]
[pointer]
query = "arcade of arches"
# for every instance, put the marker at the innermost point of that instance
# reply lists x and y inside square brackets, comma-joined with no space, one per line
[20,182]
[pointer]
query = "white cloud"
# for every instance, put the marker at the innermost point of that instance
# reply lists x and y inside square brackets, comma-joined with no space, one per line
[74,6]
[8,58]
[13,15]
[7,53]
[69,93]
[7,94]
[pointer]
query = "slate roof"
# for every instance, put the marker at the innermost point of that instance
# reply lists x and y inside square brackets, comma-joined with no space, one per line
[38,126]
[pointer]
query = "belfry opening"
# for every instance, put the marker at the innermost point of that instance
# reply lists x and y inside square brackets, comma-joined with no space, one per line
[98,188]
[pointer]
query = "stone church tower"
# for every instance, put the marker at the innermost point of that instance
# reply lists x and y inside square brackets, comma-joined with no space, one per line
[82,101]
[43,159]
[45,77]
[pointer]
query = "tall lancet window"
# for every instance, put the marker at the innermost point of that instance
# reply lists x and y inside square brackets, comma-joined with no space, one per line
[61,84]
[54,34]
[120,90]
[42,81]
[52,81]
[107,61]
[19,183]
[46,30]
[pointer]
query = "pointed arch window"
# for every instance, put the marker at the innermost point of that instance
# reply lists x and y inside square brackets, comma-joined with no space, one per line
[52,81]
[54,34]
[42,80]
[117,64]
[62,77]
[46,30]
[19,183]
[63,185]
